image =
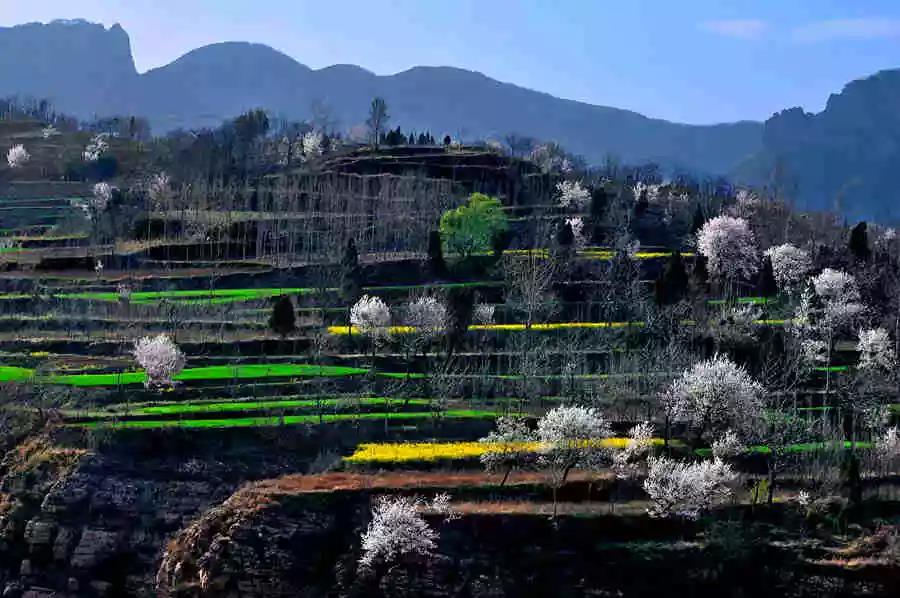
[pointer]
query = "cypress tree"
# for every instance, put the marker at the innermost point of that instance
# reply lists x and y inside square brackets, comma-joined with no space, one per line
[283,320]
[699,276]
[351,277]
[673,281]
[697,221]
[859,242]
[436,255]
[766,285]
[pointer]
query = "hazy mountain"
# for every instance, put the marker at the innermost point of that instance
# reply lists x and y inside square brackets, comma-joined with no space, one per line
[845,157]
[87,70]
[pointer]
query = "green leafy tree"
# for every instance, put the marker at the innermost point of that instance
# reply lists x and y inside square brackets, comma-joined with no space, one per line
[473,227]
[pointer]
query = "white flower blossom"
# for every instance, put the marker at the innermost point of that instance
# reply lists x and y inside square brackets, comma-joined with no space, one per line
[686,489]
[372,317]
[49,131]
[103,193]
[397,530]
[715,394]
[813,352]
[17,156]
[876,351]
[790,265]
[571,194]
[888,445]
[729,247]
[161,359]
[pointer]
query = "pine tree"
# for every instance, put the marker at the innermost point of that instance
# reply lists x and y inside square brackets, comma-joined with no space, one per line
[283,320]
[859,242]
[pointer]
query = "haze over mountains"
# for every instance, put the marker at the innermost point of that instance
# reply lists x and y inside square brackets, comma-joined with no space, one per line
[843,156]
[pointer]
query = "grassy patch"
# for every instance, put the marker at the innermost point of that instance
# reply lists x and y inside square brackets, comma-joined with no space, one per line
[255,422]
[250,405]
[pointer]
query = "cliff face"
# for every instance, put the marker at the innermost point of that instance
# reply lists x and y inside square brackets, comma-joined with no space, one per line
[81,67]
[844,158]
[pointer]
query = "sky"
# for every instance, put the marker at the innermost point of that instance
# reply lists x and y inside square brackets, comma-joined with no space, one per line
[693,61]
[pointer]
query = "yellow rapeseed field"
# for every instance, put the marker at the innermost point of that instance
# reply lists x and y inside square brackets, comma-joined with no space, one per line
[344,330]
[400,452]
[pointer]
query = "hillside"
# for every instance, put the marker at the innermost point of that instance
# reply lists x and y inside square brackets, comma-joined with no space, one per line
[86,70]
[843,158]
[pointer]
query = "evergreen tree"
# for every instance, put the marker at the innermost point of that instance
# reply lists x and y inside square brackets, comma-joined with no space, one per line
[565,238]
[859,242]
[673,281]
[766,285]
[351,277]
[283,320]
[436,255]
[699,282]
[698,220]
[447,140]
[460,308]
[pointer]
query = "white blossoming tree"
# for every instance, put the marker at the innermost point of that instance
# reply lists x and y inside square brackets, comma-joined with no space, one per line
[839,296]
[159,191]
[483,314]
[397,532]
[790,265]
[728,446]
[686,489]
[312,145]
[627,462]
[713,396]
[571,194]
[371,317]
[17,156]
[570,436]
[729,247]
[876,351]
[160,358]
[577,225]
[428,318]
[507,446]
[96,147]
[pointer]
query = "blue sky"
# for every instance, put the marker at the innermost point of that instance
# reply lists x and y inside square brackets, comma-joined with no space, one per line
[697,61]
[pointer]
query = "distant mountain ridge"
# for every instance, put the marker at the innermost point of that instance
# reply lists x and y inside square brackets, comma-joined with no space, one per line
[845,157]
[88,70]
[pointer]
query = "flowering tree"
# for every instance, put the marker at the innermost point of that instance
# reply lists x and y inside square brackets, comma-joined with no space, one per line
[570,437]
[576,224]
[483,313]
[397,531]
[790,265]
[17,156]
[507,446]
[729,247]
[428,317]
[839,296]
[876,350]
[714,395]
[161,359]
[96,147]
[728,446]
[626,462]
[312,145]
[372,317]
[686,489]
[571,194]
[159,191]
